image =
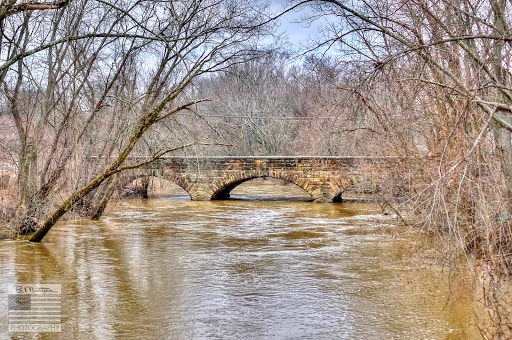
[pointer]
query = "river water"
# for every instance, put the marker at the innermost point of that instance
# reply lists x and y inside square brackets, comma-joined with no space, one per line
[169,268]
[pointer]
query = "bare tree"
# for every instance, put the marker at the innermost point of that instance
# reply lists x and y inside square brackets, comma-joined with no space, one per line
[274,105]
[84,92]
[434,88]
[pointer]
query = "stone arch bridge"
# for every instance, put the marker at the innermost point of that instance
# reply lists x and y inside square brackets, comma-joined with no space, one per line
[211,178]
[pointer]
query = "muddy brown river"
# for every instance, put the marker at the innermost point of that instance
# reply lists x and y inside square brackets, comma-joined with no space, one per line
[264,265]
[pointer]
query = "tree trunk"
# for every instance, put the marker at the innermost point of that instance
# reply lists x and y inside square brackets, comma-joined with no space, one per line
[27,175]
[501,135]
[27,188]
[104,197]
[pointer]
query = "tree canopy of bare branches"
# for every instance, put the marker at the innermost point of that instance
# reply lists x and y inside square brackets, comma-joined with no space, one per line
[92,77]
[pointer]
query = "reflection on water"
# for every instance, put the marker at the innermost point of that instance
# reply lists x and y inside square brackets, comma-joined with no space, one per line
[166,268]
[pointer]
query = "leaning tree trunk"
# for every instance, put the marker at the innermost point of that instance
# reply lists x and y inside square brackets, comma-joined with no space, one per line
[143,124]
[93,205]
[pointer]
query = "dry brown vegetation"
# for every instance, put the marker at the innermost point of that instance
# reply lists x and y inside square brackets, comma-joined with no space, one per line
[427,82]
[433,84]
[89,84]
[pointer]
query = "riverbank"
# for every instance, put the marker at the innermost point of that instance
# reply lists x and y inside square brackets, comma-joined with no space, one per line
[488,296]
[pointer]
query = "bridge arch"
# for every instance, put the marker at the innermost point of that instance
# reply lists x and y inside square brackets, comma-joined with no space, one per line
[222,188]
[142,191]
[225,192]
